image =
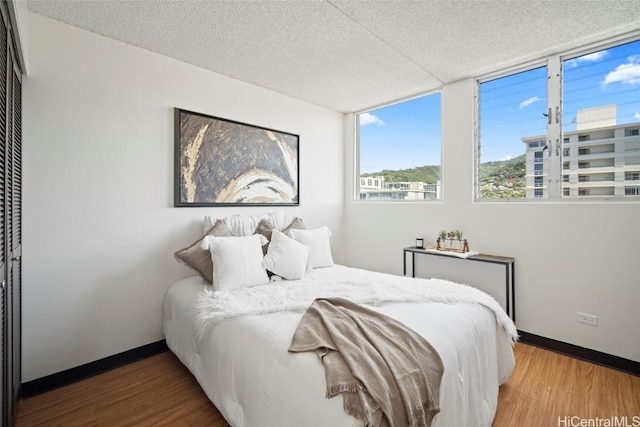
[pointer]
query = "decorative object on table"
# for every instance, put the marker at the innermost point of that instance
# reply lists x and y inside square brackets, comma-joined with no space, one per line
[456,242]
[419,243]
[221,162]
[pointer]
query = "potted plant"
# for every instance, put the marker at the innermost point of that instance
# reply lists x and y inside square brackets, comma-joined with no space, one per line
[458,236]
[441,239]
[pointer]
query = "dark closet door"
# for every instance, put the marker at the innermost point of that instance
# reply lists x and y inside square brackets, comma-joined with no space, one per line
[9,313]
[13,188]
[10,222]
[4,99]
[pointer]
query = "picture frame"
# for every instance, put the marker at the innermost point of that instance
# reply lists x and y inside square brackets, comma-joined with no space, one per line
[223,162]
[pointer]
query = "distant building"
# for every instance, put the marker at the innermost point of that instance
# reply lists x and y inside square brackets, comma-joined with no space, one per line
[397,190]
[599,158]
[371,183]
[596,117]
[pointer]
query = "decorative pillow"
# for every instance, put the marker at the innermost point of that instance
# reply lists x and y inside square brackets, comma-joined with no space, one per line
[245,225]
[295,224]
[265,227]
[237,261]
[318,241]
[286,257]
[199,259]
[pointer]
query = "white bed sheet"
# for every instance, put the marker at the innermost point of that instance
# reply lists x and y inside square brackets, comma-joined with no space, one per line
[244,367]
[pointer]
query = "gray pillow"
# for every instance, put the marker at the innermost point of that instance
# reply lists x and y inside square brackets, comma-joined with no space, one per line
[296,223]
[199,259]
[265,227]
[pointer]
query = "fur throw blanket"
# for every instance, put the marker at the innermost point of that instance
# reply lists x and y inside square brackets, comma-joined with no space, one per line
[356,285]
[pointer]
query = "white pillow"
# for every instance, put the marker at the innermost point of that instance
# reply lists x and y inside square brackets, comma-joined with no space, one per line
[286,257]
[237,261]
[318,240]
[245,225]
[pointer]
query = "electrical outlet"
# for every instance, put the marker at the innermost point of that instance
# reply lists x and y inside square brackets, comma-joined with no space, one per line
[589,319]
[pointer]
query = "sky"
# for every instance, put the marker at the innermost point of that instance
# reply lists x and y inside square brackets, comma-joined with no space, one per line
[407,134]
[401,136]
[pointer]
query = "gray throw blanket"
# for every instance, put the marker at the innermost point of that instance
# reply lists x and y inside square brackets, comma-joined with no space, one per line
[386,372]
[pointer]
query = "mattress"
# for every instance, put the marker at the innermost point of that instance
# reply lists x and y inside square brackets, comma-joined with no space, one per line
[243,365]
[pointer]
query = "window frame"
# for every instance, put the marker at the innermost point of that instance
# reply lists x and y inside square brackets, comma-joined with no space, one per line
[554,136]
[356,196]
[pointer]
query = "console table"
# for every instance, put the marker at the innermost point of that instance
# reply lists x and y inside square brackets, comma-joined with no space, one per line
[507,262]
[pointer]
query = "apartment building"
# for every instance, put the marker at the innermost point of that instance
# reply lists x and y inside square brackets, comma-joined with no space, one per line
[371,183]
[599,158]
[374,188]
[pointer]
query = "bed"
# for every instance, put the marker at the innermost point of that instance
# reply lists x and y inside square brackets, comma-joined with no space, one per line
[237,351]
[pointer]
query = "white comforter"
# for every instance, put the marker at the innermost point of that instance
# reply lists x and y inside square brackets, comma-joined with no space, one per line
[241,360]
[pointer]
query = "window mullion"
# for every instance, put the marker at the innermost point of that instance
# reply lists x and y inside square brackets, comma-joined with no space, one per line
[554,129]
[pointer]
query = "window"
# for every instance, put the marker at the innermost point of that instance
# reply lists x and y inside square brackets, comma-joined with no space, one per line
[511,113]
[632,191]
[400,146]
[632,176]
[581,103]
[537,157]
[538,182]
[599,102]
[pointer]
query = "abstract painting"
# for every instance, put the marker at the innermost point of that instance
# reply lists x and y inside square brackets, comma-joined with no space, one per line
[224,162]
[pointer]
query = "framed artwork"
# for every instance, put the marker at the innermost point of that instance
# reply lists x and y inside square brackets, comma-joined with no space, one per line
[221,162]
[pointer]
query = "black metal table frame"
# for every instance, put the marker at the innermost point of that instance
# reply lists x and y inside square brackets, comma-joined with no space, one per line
[508,262]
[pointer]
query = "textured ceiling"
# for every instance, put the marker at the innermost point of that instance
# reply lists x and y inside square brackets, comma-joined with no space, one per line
[350,55]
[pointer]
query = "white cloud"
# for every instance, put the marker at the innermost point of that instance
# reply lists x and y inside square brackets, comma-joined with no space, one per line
[370,119]
[592,57]
[505,158]
[529,101]
[628,73]
[637,115]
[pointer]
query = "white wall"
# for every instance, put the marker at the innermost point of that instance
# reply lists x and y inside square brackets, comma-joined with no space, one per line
[569,257]
[99,226]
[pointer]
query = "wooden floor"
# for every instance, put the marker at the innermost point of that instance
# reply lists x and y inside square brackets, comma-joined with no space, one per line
[544,388]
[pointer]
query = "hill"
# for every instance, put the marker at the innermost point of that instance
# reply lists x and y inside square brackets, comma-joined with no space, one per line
[499,179]
[428,174]
[503,179]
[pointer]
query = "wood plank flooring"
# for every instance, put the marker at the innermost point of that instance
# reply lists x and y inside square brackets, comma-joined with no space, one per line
[157,391]
[547,389]
[544,388]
